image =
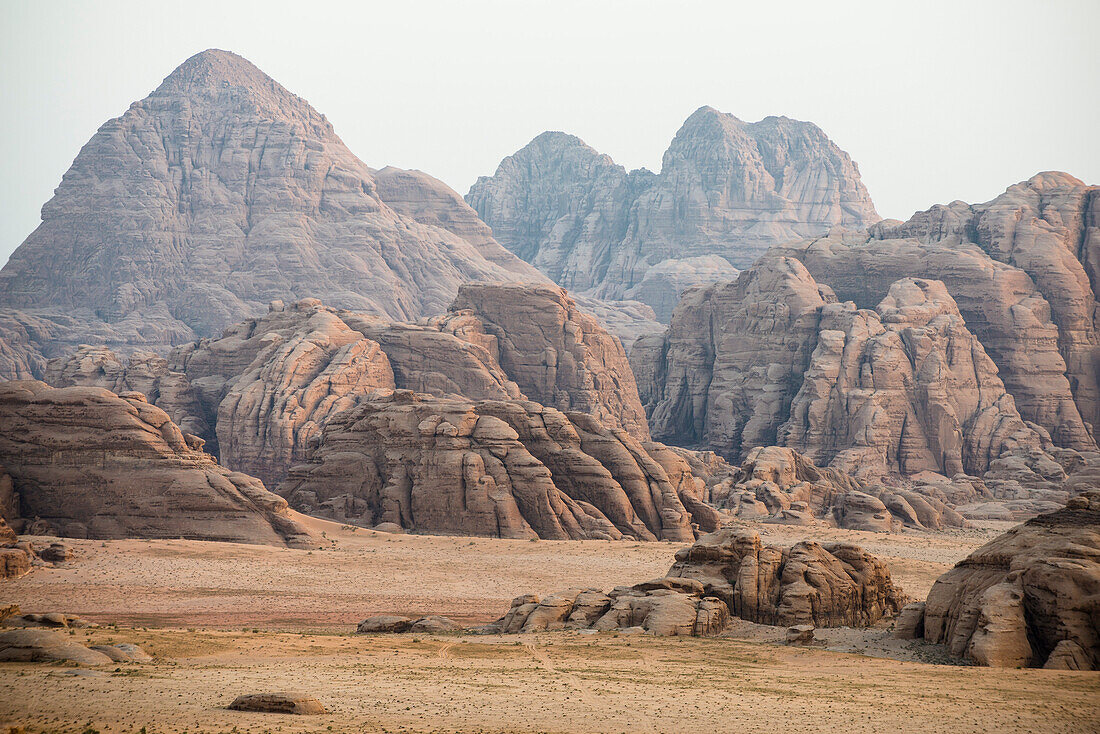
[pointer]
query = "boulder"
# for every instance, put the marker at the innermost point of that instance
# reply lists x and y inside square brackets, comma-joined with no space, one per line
[1017,599]
[32,646]
[385,623]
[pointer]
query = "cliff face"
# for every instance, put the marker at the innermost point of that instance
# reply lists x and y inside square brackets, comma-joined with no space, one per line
[511,469]
[1023,271]
[727,189]
[773,358]
[222,191]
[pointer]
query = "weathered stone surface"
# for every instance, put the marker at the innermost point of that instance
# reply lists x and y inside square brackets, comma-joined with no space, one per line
[1020,599]
[216,194]
[145,372]
[727,572]
[726,189]
[800,634]
[773,359]
[89,463]
[823,584]
[1048,227]
[557,355]
[385,623]
[124,652]
[32,646]
[667,607]
[270,384]
[1022,269]
[500,468]
[278,703]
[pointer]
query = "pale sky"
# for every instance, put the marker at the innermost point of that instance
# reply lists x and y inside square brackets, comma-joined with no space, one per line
[935,102]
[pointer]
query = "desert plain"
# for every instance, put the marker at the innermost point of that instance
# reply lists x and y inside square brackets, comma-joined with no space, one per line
[223,619]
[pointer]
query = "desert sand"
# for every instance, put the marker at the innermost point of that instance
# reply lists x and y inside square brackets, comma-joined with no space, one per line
[224,619]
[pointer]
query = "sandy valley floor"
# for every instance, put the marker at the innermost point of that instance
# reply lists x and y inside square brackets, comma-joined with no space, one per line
[226,619]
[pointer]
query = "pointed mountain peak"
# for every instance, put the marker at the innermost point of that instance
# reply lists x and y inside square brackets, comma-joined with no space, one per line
[223,82]
[215,68]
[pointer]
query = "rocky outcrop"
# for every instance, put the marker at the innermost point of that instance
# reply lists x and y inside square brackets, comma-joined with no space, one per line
[727,573]
[557,355]
[727,189]
[1048,227]
[216,194]
[88,463]
[774,359]
[269,385]
[1030,597]
[824,584]
[667,607]
[1022,269]
[510,469]
[144,372]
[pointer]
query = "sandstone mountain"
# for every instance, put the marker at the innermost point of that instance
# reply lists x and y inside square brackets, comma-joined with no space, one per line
[1023,269]
[261,393]
[85,462]
[1026,598]
[511,469]
[726,191]
[774,359]
[216,194]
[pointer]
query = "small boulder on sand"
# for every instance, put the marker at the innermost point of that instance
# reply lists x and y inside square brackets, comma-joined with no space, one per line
[278,703]
[35,645]
[800,634]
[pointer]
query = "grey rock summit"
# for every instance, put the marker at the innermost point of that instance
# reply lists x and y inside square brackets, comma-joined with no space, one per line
[727,190]
[216,194]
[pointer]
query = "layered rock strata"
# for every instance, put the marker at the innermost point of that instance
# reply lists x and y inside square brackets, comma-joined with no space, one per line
[216,194]
[774,359]
[86,462]
[1030,597]
[510,469]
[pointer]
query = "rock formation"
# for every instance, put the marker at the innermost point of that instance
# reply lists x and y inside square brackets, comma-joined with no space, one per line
[728,572]
[824,584]
[88,463]
[727,189]
[1030,597]
[774,359]
[269,384]
[216,194]
[512,469]
[1023,271]
[144,372]
[557,355]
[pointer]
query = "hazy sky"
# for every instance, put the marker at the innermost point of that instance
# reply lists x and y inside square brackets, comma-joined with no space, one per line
[939,101]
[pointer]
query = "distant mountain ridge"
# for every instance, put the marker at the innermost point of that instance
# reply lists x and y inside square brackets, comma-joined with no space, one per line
[726,188]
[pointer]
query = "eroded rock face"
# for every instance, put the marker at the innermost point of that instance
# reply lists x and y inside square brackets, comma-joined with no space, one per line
[144,372]
[824,584]
[1030,597]
[216,194]
[510,469]
[1022,269]
[667,607]
[88,463]
[774,359]
[270,384]
[1048,227]
[727,573]
[557,355]
[727,189]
